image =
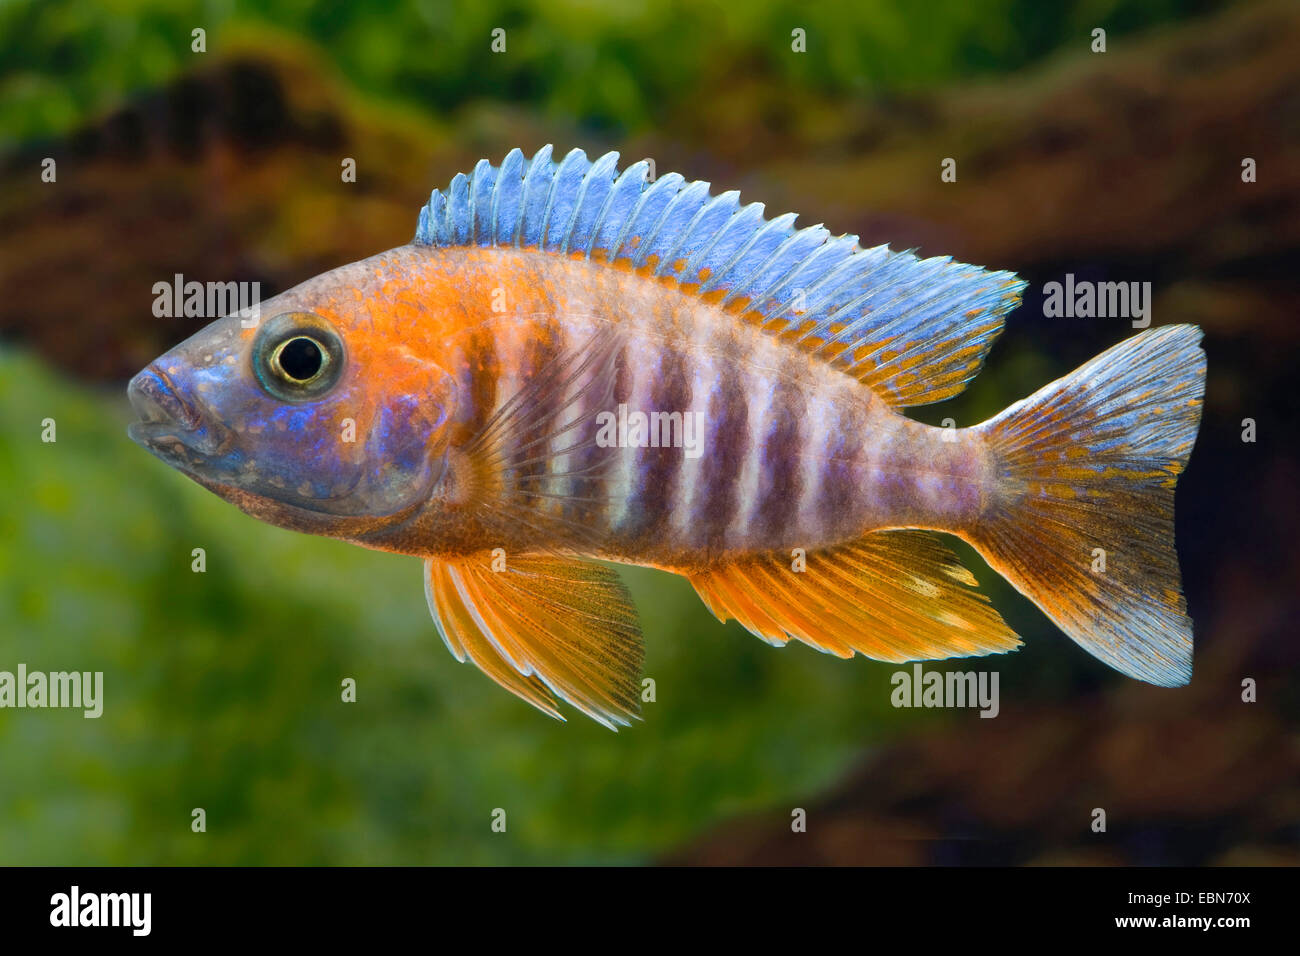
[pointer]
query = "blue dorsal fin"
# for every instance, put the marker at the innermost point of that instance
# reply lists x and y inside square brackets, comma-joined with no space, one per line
[506,196]
[536,199]
[480,202]
[914,330]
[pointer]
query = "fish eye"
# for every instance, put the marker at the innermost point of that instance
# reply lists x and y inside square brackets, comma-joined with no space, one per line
[299,359]
[297,356]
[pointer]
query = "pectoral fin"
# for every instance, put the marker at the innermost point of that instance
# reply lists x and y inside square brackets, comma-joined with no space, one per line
[537,465]
[891,595]
[544,628]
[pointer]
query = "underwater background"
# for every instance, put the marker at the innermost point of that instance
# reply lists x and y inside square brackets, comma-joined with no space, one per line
[222,689]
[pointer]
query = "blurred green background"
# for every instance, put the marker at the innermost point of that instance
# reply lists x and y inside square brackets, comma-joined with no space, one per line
[222,689]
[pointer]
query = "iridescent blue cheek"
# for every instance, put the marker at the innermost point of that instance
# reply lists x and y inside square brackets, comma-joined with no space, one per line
[403,431]
[304,446]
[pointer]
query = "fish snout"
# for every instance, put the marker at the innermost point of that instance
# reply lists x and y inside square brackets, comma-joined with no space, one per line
[155,399]
[170,424]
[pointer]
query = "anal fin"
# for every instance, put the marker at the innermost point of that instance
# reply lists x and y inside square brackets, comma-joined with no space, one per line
[890,595]
[544,628]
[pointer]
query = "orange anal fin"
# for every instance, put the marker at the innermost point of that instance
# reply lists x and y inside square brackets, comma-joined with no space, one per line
[544,628]
[891,595]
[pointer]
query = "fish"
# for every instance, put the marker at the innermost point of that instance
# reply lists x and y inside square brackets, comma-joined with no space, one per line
[574,366]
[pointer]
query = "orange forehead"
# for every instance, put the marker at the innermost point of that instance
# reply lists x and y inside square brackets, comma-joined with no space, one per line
[417,299]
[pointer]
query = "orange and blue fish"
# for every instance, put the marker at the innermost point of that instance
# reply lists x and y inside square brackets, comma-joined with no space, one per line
[570,364]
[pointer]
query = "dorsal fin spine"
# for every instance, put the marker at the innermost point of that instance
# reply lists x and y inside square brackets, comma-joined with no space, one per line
[775,300]
[633,178]
[626,195]
[739,282]
[719,205]
[595,176]
[509,188]
[673,227]
[437,217]
[457,218]
[731,237]
[645,202]
[792,249]
[681,199]
[481,219]
[737,224]
[548,208]
[563,199]
[537,188]
[628,230]
[670,254]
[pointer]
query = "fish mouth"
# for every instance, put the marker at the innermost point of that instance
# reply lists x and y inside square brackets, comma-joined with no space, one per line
[170,426]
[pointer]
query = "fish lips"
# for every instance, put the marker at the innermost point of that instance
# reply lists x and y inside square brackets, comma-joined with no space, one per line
[170,426]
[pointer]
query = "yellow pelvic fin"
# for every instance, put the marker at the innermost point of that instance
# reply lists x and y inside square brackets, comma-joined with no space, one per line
[543,628]
[890,595]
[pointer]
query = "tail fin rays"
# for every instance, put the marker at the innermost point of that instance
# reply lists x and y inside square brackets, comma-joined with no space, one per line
[1083,524]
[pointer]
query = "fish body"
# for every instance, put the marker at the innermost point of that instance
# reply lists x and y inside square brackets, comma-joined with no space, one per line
[571,364]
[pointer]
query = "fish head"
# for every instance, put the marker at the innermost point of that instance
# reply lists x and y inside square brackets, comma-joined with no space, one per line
[312,415]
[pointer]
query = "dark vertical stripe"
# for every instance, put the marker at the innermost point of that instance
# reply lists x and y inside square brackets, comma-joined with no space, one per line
[607,379]
[623,382]
[535,418]
[658,469]
[483,373]
[726,443]
[781,472]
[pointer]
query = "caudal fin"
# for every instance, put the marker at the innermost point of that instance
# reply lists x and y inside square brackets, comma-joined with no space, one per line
[1082,522]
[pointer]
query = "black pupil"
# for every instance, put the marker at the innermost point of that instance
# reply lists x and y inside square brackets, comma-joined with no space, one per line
[301,359]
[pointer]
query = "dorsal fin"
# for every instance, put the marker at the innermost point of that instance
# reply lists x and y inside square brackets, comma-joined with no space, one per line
[914,330]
